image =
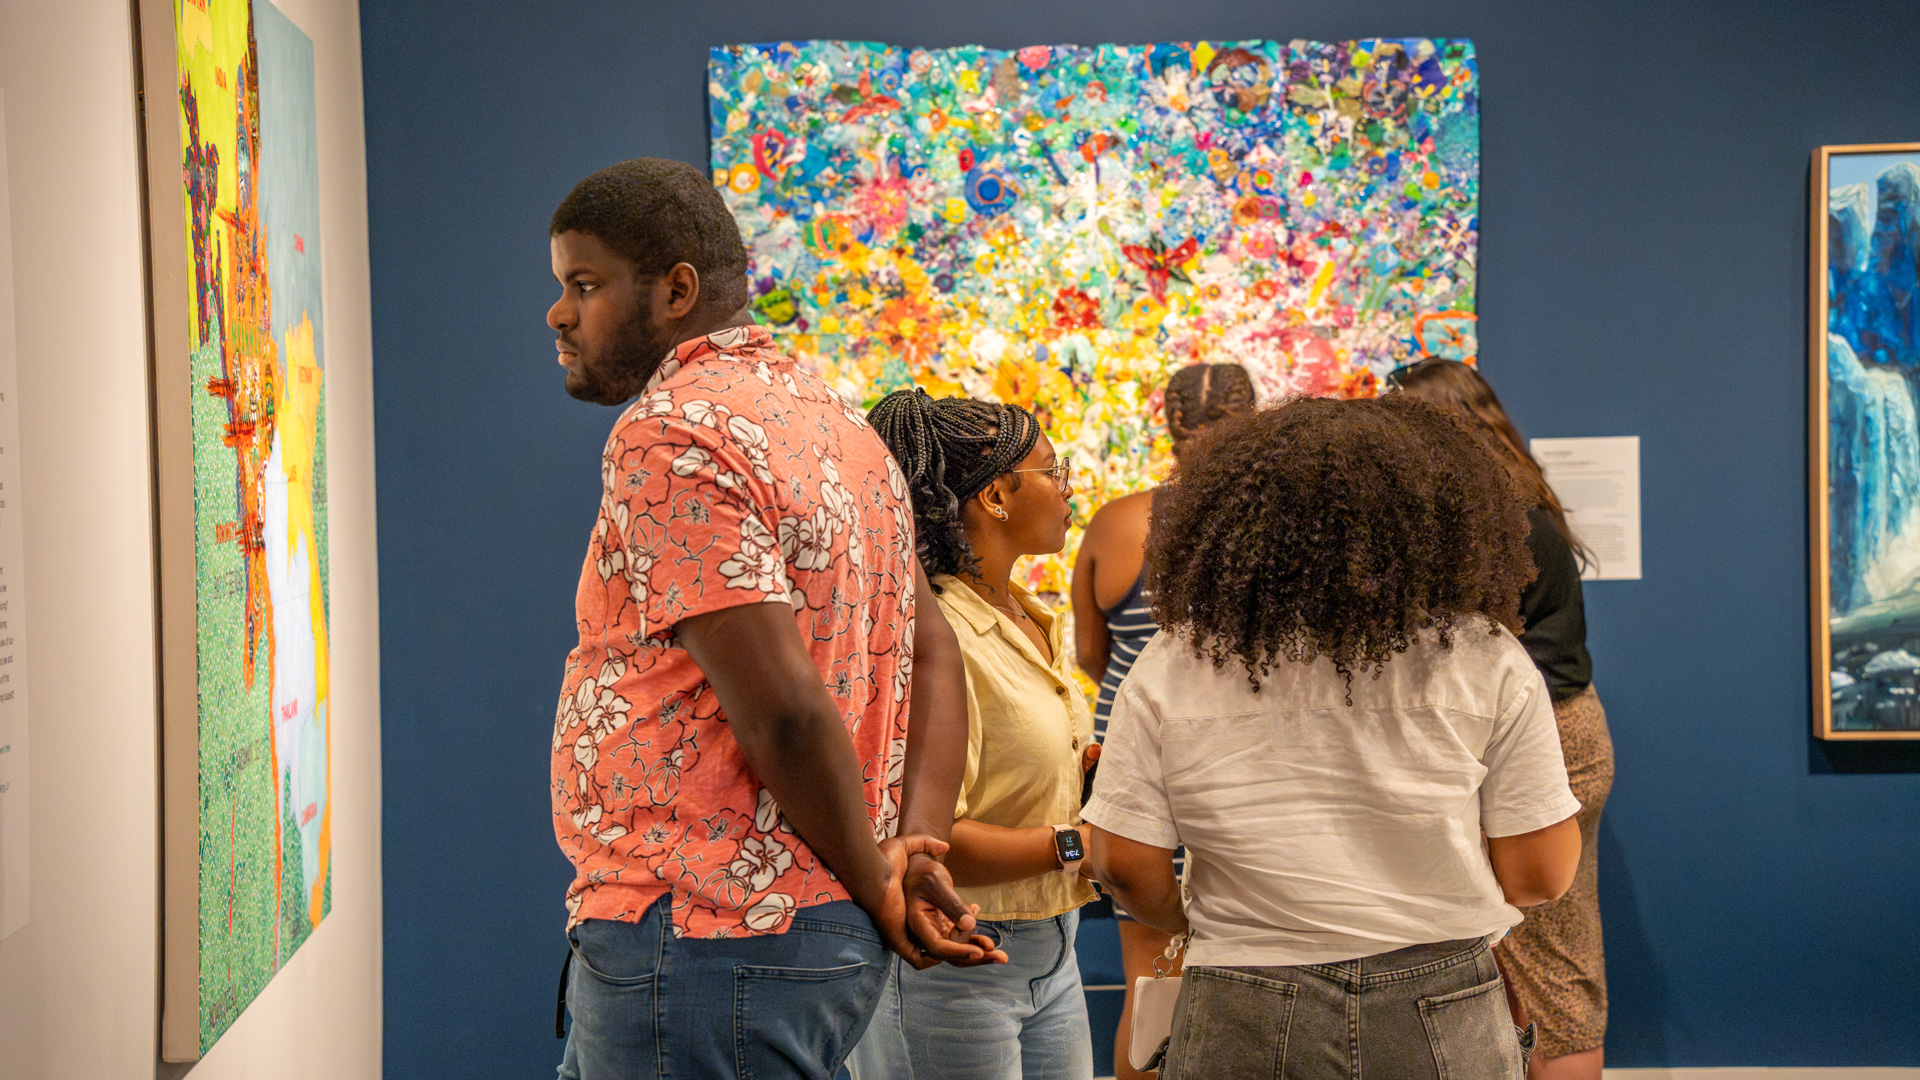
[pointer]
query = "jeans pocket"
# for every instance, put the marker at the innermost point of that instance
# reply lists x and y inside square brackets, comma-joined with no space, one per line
[840,917]
[1472,1035]
[615,953]
[1229,1023]
[611,997]
[793,1022]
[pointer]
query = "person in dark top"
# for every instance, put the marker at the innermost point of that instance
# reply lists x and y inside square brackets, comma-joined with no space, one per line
[1555,618]
[1554,960]
[1112,622]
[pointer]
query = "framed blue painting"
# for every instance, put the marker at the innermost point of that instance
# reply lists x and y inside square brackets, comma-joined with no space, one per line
[1865,441]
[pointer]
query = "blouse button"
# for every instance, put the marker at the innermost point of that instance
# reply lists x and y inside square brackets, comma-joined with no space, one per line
[1061,690]
[1076,742]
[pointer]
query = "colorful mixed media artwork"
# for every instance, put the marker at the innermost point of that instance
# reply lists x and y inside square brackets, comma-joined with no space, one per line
[1065,226]
[250,185]
[1866,441]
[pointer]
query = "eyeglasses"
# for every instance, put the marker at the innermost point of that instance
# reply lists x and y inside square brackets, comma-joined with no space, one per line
[1061,473]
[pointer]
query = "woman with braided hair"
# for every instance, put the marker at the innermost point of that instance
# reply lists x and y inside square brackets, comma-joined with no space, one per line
[1112,620]
[988,489]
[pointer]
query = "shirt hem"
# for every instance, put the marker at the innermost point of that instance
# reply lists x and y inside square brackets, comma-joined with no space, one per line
[629,903]
[1134,826]
[1515,823]
[715,601]
[1011,916]
[1561,692]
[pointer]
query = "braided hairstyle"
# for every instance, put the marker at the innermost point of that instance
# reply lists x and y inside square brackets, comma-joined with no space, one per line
[1204,393]
[950,450]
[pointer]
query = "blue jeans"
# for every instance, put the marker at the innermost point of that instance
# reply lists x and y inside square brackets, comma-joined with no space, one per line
[1022,1020]
[647,1004]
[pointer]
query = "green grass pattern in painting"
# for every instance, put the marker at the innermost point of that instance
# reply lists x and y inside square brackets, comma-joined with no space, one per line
[238,908]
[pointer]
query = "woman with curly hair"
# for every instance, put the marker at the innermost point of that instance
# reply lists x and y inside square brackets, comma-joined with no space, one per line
[1340,726]
[1555,958]
[987,489]
[1112,620]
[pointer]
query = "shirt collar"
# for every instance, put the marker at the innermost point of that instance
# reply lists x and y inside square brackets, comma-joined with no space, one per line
[966,603]
[982,617]
[713,346]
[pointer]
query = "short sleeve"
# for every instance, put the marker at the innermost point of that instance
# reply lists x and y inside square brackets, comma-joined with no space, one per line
[696,531]
[1526,783]
[1129,790]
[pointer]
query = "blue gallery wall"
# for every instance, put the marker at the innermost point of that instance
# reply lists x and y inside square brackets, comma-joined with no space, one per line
[1643,272]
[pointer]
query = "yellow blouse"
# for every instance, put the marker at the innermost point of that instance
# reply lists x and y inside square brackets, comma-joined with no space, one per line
[1027,724]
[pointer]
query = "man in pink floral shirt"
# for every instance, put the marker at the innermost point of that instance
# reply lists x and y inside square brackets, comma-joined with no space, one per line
[731,752]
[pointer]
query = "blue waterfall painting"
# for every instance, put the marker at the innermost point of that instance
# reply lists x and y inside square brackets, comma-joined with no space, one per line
[1873,429]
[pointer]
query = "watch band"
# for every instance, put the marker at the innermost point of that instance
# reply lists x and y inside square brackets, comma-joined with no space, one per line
[1059,856]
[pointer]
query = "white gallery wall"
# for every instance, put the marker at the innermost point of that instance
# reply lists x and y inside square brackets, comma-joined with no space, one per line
[79,982]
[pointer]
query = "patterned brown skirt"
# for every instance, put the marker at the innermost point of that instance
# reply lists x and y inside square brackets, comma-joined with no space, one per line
[1554,958]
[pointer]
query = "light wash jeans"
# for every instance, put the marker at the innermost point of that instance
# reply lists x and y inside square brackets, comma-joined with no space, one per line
[771,1007]
[882,1051]
[1022,1020]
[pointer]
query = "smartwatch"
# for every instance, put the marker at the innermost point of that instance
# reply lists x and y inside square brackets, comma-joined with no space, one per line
[1067,846]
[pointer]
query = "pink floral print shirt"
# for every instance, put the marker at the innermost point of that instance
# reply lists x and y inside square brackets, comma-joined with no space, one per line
[737,477]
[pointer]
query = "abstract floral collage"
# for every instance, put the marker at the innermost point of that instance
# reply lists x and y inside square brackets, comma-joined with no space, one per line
[1064,226]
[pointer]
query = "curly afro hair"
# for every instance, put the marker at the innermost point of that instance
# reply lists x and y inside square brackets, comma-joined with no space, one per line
[1341,529]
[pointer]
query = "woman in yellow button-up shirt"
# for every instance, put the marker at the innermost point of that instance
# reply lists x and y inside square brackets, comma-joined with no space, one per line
[987,489]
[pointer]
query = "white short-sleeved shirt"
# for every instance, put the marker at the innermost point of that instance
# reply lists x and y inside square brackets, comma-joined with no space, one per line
[1318,831]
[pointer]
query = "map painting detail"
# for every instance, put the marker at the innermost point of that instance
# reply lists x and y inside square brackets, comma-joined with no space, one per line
[1873,481]
[1065,226]
[250,181]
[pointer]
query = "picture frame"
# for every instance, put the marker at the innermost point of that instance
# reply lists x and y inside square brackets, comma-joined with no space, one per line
[1864,442]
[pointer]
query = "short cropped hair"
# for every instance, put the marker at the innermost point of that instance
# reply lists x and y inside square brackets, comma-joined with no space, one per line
[657,213]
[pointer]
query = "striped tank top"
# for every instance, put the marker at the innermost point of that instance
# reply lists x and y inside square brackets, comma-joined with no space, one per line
[1130,626]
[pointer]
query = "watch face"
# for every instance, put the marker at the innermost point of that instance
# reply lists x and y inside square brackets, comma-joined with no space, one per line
[1068,842]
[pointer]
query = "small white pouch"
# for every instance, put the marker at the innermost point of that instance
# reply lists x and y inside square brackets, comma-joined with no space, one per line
[1153,1001]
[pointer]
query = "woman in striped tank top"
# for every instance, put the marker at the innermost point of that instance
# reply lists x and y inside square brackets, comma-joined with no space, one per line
[1112,620]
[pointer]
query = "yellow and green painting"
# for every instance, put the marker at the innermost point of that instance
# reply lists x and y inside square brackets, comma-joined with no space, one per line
[250,182]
